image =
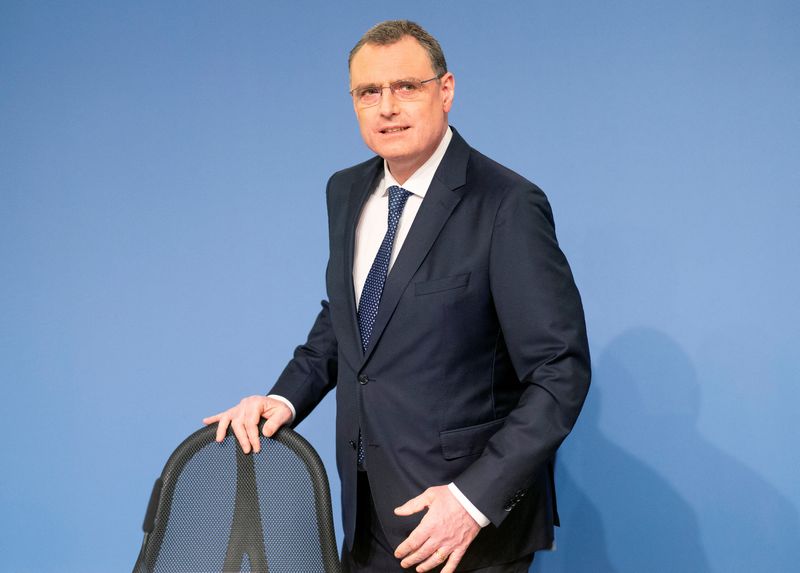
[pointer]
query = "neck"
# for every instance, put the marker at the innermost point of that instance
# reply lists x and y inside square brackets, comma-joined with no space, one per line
[402,173]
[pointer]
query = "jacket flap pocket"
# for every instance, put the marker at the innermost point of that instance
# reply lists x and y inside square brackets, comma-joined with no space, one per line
[468,440]
[446,283]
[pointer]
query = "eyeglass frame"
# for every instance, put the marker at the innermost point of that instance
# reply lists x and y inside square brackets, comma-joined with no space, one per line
[389,87]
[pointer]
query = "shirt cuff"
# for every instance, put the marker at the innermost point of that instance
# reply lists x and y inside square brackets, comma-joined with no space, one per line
[285,401]
[474,512]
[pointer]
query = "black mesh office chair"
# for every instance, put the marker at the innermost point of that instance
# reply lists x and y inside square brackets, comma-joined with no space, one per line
[215,509]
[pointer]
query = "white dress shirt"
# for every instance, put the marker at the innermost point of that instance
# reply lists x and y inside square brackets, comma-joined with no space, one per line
[372,226]
[373,222]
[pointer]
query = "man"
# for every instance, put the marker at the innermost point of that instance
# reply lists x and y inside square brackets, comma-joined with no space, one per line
[453,332]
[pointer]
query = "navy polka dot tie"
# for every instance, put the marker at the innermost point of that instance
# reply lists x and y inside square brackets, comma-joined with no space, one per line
[373,286]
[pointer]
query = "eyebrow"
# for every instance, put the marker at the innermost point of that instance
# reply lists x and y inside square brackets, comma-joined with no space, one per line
[372,85]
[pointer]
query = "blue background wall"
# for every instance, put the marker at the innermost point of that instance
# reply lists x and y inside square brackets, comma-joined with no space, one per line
[162,249]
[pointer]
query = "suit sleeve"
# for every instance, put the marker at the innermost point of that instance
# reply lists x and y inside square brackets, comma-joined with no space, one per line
[312,371]
[542,323]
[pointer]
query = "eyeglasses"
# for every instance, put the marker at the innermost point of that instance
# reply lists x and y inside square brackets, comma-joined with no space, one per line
[403,90]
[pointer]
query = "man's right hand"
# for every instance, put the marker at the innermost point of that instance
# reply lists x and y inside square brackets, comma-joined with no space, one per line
[245,417]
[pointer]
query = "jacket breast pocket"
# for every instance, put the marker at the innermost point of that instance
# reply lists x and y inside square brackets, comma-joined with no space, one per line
[438,285]
[469,440]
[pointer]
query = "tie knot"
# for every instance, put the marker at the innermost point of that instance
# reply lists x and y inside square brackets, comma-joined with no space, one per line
[397,198]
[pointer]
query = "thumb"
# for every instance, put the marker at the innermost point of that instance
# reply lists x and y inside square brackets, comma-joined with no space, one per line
[270,427]
[413,505]
[273,423]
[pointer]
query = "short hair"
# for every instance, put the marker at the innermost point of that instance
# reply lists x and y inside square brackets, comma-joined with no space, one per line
[391,31]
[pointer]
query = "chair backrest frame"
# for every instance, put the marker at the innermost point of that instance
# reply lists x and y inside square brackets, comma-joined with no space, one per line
[161,498]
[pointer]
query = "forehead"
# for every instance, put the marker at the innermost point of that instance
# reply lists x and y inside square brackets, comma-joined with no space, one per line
[405,58]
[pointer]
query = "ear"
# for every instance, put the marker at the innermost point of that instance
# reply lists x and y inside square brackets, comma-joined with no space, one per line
[447,88]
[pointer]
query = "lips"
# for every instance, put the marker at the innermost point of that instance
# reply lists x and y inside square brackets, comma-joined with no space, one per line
[395,129]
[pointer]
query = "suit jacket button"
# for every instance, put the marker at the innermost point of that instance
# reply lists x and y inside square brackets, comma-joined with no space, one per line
[363,379]
[352,444]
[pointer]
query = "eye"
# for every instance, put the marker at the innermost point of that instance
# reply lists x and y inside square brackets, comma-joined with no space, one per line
[407,87]
[368,91]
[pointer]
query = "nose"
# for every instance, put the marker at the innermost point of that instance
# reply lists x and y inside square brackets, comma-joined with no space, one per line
[388,104]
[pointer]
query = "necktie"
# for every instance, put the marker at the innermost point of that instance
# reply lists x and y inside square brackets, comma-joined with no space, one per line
[376,278]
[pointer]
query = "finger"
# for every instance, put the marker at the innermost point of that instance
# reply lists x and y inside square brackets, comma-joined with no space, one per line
[425,552]
[212,419]
[453,560]
[241,435]
[222,428]
[435,560]
[413,505]
[411,543]
[251,429]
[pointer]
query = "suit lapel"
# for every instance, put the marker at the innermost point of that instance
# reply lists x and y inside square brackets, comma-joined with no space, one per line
[359,192]
[441,198]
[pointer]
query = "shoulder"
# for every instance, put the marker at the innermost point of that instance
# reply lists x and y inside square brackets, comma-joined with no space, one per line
[483,169]
[510,190]
[344,178]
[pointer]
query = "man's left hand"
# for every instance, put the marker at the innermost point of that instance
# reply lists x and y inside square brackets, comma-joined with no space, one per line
[443,535]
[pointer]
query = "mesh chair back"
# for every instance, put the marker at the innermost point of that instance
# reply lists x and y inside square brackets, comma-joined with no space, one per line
[215,509]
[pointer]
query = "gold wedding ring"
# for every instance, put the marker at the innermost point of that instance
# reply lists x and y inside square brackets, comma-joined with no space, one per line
[439,557]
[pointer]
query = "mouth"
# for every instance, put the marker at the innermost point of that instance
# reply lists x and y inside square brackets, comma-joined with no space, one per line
[391,130]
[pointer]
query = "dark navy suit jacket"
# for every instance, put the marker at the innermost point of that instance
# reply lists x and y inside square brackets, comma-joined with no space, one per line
[478,364]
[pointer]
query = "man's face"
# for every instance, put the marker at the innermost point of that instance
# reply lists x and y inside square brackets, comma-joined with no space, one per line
[405,133]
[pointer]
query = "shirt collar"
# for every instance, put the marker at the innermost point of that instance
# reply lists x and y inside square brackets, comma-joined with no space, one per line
[421,179]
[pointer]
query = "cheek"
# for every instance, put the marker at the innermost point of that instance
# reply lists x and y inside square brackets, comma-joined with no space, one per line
[363,127]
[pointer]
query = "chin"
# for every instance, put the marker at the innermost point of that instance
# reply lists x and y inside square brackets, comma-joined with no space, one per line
[391,152]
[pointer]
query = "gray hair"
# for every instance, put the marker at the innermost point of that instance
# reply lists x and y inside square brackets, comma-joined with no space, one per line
[391,31]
